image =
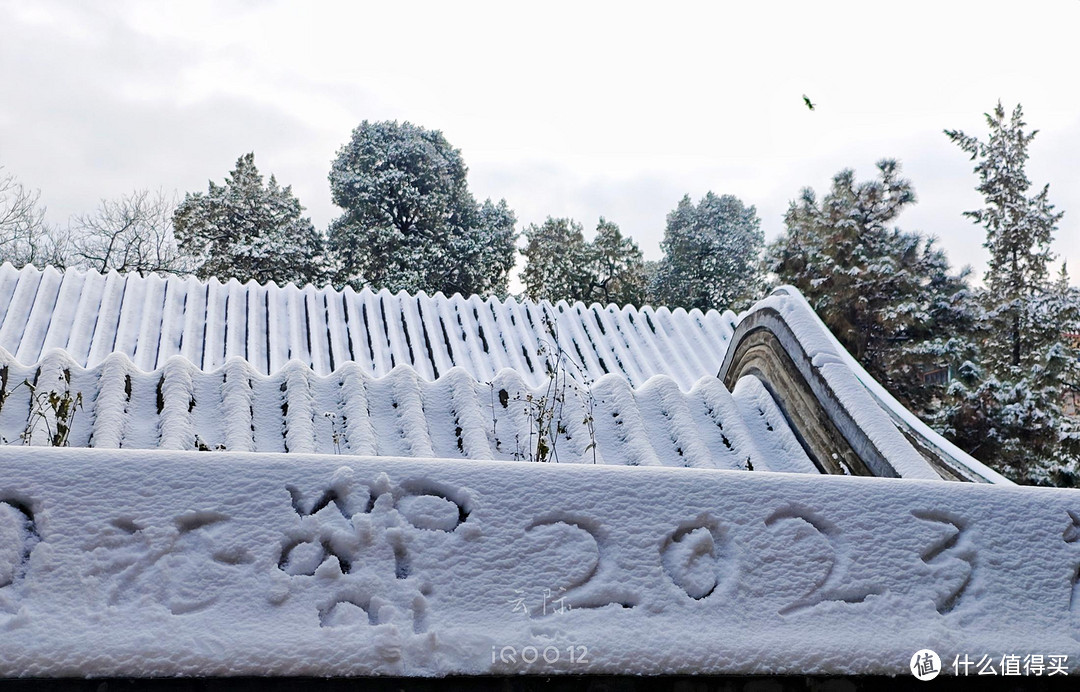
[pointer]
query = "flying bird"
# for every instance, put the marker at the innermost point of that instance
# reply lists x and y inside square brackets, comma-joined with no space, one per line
[806,100]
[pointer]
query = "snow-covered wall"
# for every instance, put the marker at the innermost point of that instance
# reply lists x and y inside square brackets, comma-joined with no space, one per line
[150,319]
[118,562]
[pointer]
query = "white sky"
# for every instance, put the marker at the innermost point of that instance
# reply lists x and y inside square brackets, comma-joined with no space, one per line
[563,108]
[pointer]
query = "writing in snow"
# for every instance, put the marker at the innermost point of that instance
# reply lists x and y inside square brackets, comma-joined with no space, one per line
[549,604]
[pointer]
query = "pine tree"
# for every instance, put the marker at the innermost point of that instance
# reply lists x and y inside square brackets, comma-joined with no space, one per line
[616,268]
[410,222]
[561,265]
[246,230]
[711,255]
[1018,229]
[1006,408]
[886,294]
[556,261]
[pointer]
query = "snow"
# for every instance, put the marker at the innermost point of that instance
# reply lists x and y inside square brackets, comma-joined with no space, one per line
[404,535]
[782,451]
[827,357]
[150,319]
[130,562]
[388,404]
[402,414]
[794,303]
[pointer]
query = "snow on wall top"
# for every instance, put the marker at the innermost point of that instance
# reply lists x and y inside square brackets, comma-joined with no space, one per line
[150,319]
[121,563]
[348,411]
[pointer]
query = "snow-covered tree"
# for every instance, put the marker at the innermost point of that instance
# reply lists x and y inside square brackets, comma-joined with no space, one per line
[25,237]
[711,255]
[886,294]
[616,267]
[561,265]
[1006,406]
[1018,229]
[556,257]
[1013,419]
[247,230]
[133,233]
[409,221]
[483,258]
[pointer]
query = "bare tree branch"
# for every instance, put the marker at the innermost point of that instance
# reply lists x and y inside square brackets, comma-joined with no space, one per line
[133,233]
[25,237]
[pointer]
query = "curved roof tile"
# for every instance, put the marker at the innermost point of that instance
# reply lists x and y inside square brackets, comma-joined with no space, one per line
[151,319]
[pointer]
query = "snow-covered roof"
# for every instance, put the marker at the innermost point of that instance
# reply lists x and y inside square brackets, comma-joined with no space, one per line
[845,419]
[150,319]
[348,411]
[403,535]
[182,364]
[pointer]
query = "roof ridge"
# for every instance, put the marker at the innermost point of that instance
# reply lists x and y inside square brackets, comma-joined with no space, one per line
[152,318]
[560,305]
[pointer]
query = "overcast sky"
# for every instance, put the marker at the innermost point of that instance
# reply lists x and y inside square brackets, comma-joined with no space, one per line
[565,109]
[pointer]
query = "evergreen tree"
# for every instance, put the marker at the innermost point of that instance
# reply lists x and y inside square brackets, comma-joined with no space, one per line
[561,265]
[1018,231]
[556,261]
[483,258]
[886,294]
[616,268]
[246,230]
[711,255]
[1006,406]
[651,270]
[409,221]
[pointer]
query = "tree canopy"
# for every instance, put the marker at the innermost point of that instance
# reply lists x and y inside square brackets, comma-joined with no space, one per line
[561,265]
[247,230]
[409,221]
[884,293]
[711,255]
[1006,405]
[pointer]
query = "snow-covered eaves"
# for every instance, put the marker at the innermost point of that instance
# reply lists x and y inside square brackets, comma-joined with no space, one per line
[136,563]
[845,419]
[150,319]
[951,461]
[349,411]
